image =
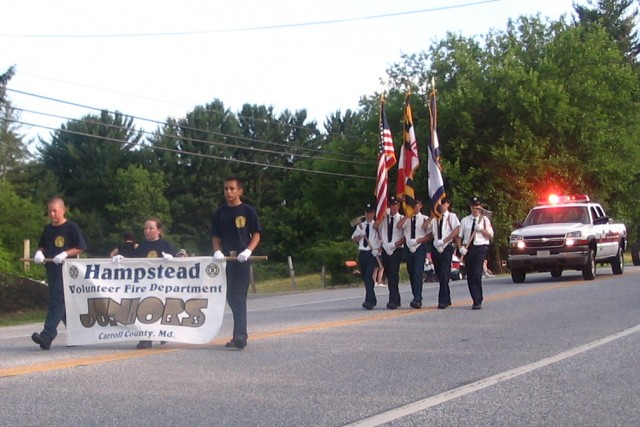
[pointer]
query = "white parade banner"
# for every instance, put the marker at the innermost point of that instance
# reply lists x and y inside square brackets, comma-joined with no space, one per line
[178,300]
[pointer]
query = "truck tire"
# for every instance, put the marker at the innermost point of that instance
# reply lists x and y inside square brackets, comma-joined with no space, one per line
[589,270]
[617,264]
[635,253]
[518,276]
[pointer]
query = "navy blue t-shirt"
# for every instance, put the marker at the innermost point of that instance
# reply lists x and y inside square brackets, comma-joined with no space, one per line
[234,226]
[58,238]
[154,249]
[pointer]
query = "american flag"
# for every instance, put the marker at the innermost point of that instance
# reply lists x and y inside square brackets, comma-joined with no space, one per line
[409,162]
[434,168]
[386,160]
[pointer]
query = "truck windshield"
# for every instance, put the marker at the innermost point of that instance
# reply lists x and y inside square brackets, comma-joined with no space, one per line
[557,214]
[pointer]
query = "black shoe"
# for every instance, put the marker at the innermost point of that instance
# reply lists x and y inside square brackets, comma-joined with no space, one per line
[416,304]
[238,343]
[476,307]
[42,340]
[442,306]
[367,306]
[449,304]
[392,305]
[142,345]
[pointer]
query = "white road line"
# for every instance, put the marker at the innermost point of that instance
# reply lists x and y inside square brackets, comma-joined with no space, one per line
[429,402]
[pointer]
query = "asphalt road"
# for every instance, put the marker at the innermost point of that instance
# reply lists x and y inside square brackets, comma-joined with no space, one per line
[548,352]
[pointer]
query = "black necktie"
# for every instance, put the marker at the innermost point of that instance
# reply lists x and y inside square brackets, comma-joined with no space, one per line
[390,231]
[440,228]
[413,227]
[473,227]
[366,239]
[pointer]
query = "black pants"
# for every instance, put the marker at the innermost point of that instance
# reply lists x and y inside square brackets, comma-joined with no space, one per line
[473,261]
[368,263]
[442,266]
[391,265]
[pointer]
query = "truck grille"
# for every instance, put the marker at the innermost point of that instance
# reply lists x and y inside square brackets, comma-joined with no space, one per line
[544,241]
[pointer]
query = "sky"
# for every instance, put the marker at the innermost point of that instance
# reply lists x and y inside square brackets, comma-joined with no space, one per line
[161,58]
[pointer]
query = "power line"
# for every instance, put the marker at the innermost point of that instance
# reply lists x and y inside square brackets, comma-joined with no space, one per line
[223,135]
[213,143]
[257,28]
[309,128]
[183,152]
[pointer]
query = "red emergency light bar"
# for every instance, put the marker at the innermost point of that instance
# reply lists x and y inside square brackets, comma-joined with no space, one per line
[554,199]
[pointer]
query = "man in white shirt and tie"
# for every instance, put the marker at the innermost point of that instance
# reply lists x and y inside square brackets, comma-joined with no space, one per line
[392,242]
[369,246]
[416,234]
[476,233]
[445,231]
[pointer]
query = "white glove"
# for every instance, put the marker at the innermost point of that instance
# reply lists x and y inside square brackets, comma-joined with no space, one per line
[438,243]
[375,252]
[167,256]
[38,258]
[60,257]
[413,242]
[218,256]
[117,259]
[390,247]
[463,250]
[244,255]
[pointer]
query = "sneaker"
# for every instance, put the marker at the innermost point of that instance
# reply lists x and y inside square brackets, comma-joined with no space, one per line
[42,340]
[238,343]
[142,345]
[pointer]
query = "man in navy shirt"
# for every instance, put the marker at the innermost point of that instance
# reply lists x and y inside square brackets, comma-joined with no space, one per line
[235,231]
[60,239]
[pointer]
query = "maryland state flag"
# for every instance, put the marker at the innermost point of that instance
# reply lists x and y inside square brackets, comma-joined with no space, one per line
[386,160]
[434,168]
[409,162]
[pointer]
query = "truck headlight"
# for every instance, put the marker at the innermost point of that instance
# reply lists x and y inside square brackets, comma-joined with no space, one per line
[572,237]
[517,241]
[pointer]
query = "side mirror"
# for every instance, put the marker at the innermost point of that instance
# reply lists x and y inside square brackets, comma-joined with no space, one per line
[601,220]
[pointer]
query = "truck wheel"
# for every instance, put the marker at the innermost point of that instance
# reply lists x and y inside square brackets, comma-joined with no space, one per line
[617,265]
[518,276]
[589,270]
[556,273]
[635,253]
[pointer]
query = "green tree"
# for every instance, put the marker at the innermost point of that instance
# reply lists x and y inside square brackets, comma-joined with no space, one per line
[140,195]
[617,18]
[21,220]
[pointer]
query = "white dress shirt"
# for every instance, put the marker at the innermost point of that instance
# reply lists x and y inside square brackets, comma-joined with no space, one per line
[466,231]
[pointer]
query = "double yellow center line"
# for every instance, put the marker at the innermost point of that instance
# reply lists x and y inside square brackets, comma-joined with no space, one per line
[375,316]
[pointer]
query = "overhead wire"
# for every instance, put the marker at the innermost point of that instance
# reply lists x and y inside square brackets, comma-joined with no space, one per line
[191,139]
[183,152]
[183,127]
[308,128]
[257,28]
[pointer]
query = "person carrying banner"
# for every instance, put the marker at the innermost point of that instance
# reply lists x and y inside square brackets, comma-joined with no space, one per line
[235,231]
[392,242]
[445,232]
[60,239]
[153,246]
[417,237]
[476,233]
[368,243]
[127,247]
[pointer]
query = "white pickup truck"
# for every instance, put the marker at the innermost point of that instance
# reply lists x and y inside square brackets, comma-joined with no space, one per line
[566,233]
